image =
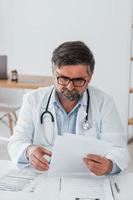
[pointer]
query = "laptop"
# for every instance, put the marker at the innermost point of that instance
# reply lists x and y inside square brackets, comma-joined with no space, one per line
[3,67]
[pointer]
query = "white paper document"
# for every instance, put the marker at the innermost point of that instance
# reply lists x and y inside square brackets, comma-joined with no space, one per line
[85,187]
[19,180]
[69,151]
[122,186]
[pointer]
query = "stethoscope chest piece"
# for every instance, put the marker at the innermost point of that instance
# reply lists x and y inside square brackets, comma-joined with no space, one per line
[86,125]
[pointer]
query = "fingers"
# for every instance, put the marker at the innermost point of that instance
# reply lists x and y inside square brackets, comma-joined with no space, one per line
[38,162]
[97,164]
[47,152]
[94,167]
[95,158]
[36,157]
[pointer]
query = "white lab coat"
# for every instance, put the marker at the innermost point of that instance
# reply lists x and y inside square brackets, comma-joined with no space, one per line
[103,116]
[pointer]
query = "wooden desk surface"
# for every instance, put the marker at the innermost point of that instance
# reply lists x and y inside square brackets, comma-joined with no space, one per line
[27,82]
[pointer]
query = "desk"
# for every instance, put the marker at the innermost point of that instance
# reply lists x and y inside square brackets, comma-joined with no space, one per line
[49,191]
[27,82]
[125,182]
[44,193]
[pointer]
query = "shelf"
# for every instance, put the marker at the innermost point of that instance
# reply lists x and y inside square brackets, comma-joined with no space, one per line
[130,121]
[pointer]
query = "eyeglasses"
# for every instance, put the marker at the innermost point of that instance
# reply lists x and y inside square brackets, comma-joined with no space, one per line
[77,82]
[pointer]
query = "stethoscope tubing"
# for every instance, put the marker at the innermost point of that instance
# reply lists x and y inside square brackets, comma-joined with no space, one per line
[52,117]
[46,110]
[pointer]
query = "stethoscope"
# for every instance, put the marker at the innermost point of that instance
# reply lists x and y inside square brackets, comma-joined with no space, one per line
[85,124]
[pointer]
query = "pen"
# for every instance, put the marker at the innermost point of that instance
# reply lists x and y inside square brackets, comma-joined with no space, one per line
[60,184]
[116,187]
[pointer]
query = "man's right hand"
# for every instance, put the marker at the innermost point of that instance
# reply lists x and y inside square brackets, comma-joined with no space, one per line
[36,156]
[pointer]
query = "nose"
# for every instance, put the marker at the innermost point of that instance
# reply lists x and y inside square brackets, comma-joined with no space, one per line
[70,85]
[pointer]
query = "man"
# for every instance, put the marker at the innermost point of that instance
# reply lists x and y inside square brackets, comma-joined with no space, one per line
[62,108]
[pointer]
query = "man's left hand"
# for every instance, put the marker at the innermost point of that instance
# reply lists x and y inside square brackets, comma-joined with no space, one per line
[98,165]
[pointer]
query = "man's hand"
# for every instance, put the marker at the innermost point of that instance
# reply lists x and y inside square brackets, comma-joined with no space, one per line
[36,155]
[98,165]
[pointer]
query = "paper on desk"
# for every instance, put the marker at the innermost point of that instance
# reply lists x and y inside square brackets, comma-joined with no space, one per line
[69,151]
[24,196]
[122,185]
[19,180]
[86,187]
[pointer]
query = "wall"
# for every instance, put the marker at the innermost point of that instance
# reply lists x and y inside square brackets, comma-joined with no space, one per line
[31,29]
[130,127]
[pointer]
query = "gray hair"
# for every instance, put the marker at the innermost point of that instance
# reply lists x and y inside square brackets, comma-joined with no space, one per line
[73,53]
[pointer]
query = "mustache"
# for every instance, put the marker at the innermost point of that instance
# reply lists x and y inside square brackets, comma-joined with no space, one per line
[70,95]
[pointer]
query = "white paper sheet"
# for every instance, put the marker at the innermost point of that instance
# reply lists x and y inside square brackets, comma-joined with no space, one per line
[85,187]
[19,180]
[24,196]
[122,186]
[69,151]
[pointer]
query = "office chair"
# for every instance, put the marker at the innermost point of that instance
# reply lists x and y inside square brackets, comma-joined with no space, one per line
[10,102]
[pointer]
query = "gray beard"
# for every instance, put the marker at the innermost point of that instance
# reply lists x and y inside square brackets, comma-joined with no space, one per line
[69,95]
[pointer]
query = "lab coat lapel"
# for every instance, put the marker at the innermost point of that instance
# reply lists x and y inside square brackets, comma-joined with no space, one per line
[50,127]
[52,110]
[81,116]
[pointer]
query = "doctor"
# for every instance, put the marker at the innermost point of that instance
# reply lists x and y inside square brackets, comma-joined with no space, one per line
[71,106]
